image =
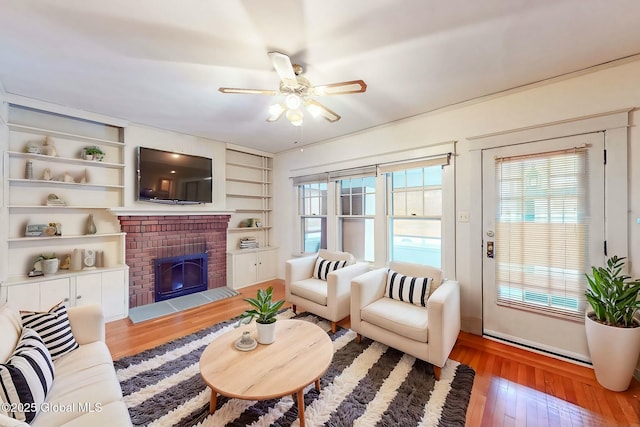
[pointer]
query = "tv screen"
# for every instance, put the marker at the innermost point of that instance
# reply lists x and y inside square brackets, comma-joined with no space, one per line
[167,177]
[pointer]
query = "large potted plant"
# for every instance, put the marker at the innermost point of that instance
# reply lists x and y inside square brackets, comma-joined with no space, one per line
[612,326]
[264,311]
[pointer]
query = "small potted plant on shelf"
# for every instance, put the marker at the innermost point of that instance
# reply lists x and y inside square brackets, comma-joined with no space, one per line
[93,153]
[264,311]
[612,326]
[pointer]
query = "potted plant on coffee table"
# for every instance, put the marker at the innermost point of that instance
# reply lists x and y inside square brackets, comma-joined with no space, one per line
[264,311]
[612,326]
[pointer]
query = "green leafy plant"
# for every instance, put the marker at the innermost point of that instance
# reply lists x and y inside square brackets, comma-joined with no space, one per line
[264,308]
[93,151]
[44,256]
[613,296]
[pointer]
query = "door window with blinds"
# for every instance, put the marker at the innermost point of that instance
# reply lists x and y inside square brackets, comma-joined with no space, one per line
[542,231]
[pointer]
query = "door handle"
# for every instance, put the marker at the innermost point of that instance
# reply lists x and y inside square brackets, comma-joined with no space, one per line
[489,249]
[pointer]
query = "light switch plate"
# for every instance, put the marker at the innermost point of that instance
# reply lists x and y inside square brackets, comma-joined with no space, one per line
[463,216]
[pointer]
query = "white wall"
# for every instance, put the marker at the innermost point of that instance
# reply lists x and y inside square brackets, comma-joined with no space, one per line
[597,92]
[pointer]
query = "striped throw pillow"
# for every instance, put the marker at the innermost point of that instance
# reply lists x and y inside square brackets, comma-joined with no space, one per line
[54,329]
[26,378]
[408,289]
[323,267]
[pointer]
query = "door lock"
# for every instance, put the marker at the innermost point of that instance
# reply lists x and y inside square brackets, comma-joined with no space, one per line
[489,249]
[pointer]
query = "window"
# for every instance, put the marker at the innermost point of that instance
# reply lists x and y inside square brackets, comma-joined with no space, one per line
[356,215]
[414,209]
[542,226]
[313,215]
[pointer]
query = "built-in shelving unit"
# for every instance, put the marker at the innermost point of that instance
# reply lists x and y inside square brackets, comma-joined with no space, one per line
[249,194]
[87,187]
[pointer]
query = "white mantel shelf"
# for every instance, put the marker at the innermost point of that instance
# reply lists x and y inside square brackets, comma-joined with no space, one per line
[174,211]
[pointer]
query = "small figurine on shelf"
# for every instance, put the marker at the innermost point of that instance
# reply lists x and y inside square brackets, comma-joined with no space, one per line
[91,226]
[49,147]
[46,175]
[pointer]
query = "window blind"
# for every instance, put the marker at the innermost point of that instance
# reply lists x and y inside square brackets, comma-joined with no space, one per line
[542,232]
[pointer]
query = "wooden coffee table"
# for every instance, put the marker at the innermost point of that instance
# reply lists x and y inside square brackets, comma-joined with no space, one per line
[300,355]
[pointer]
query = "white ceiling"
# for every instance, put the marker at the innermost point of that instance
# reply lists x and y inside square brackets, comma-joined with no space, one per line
[160,62]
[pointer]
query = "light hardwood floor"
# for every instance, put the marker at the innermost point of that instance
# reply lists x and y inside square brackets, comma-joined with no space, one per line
[512,387]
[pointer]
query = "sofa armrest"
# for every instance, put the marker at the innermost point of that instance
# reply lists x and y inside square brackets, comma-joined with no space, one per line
[443,311]
[297,269]
[365,289]
[87,323]
[5,421]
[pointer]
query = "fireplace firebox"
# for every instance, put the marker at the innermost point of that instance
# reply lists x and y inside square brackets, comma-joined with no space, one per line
[180,275]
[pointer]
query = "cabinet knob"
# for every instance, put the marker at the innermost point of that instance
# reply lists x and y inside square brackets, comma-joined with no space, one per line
[66,300]
[79,297]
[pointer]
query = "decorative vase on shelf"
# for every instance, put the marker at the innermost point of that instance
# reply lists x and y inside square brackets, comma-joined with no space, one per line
[91,226]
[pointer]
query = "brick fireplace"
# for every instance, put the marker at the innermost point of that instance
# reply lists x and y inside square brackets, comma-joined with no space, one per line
[148,235]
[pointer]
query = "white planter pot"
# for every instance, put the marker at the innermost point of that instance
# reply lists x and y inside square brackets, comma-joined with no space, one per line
[50,266]
[266,332]
[614,353]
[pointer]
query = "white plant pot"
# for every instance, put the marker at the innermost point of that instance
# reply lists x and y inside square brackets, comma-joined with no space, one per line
[614,353]
[266,332]
[50,266]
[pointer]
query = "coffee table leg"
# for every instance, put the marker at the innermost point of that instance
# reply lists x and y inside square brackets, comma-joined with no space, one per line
[301,406]
[318,384]
[213,403]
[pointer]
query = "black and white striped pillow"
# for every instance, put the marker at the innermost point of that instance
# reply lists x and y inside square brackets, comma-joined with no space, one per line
[54,329]
[323,267]
[26,378]
[408,289]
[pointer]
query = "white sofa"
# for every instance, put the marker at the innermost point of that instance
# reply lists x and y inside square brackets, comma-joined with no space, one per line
[85,390]
[328,299]
[427,333]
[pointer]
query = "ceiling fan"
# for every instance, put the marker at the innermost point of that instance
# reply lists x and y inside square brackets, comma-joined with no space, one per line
[298,92]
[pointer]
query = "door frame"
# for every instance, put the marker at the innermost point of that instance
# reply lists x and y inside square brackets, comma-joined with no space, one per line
[614,124]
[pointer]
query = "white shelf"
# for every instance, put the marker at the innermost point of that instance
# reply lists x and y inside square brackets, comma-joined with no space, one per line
[248,229]
[248,196]
[64,237]
[252,210]
[65,160]
[248,181]
[64,135]
[243,165]
[42,182]
[45,207]
[246,251]
[61,274]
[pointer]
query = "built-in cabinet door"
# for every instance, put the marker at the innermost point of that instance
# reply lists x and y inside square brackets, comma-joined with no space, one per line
[52,292]
[114,294]
[88,289]
[267,265]
[24,297]
[245,269]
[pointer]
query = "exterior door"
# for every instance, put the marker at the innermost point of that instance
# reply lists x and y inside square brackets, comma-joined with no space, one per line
[543,226]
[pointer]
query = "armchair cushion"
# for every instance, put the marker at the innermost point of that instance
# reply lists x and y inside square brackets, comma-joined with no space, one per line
[311,289]
[414,290]
[323,267]
[398,317]
[54,329]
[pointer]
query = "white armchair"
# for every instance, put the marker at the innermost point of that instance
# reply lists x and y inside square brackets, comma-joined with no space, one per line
[427,333]
[328,299]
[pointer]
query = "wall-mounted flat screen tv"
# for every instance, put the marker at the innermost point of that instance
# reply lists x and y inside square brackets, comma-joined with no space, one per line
[177,178]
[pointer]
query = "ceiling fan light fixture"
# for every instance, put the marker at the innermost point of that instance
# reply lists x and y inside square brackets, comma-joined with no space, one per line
[292,102]
[295,117]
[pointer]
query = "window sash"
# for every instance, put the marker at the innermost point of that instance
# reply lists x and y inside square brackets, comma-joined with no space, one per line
[542,231]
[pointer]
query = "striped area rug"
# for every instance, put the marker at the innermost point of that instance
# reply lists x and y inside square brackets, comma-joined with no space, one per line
[367,384]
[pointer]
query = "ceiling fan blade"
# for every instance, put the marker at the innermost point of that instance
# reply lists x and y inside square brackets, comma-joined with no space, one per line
[248,91]
[316,109]
[353,86]
[282,64]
